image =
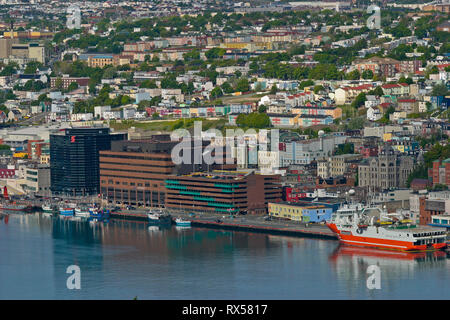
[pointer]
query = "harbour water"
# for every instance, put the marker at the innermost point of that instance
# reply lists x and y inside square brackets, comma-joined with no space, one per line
[128,259]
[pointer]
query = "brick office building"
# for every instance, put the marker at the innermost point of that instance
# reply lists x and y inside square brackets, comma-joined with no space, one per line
[440,172]
[134,172]
[223,192]
[432,206]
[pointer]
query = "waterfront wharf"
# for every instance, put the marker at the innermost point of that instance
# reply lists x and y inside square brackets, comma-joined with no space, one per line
[258,223]
[249,223]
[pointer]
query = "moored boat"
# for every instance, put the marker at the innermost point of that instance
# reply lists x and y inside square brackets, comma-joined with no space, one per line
[67,212]
[82,212]
[182,223]
[46,208]
[373,227]
[159,218]
[96,214]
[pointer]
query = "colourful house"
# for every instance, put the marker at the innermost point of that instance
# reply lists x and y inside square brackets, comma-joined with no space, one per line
[306,120]
[283,120]
[300,212]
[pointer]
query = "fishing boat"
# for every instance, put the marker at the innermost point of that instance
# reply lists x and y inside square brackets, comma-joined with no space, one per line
[82,212]
[159,218]
[66,211]
[182,223]
[373,227]
[9,205]
[47,208]
[97,215]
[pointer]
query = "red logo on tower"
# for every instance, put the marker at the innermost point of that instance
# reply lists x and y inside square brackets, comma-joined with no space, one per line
[72,139]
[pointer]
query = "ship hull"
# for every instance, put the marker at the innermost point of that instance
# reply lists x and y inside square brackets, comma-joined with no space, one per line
[66,212]
[386,244]
[16,209]
[159,220]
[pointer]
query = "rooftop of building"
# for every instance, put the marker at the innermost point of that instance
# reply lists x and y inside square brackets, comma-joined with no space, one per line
[82,130]
[221,174]
[299,205]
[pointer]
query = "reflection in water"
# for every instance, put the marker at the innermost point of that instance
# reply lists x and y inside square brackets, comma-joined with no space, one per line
[123,259]
[351,263]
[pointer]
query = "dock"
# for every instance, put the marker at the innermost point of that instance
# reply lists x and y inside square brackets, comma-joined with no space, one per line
[249,223]
[246,223]
[138,215]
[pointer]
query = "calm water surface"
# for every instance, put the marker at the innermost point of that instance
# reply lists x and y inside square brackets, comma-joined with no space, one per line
[123,260]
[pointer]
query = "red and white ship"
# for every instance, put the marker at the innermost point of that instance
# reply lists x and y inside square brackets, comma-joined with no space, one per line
[373,227]
[12,206]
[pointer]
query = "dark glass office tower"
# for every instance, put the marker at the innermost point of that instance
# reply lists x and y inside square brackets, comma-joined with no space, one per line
[74,159]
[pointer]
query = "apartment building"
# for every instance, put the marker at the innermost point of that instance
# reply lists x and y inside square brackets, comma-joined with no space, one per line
[336,165]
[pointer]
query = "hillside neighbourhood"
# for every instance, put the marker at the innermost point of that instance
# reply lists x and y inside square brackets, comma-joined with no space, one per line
[356,106]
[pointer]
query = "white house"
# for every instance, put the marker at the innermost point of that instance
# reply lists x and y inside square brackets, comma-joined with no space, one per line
[373,114]
[81,117]
[111,115]
[99,110]
[128,112]
[371,101]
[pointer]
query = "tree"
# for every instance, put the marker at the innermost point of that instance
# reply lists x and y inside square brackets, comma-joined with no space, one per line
[378,91]
[72,86]
[10,69]
[367,74]
[274,89]
[306,83]
[226,87]
[109,73]
[356,123]
[242,85]
[191,55]
[405,80]
[155,100]
[439,90]
[253,120]
[359,100]
[262,108]
[318,89]
[215,53]
[4,108]
[345,148]
[155,115]
[216,93]
[354,75]
[149,84]
[385,118]
[258,87]
[32,66]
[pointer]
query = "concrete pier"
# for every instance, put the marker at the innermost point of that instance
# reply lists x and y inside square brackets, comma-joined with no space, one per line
[247,223]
